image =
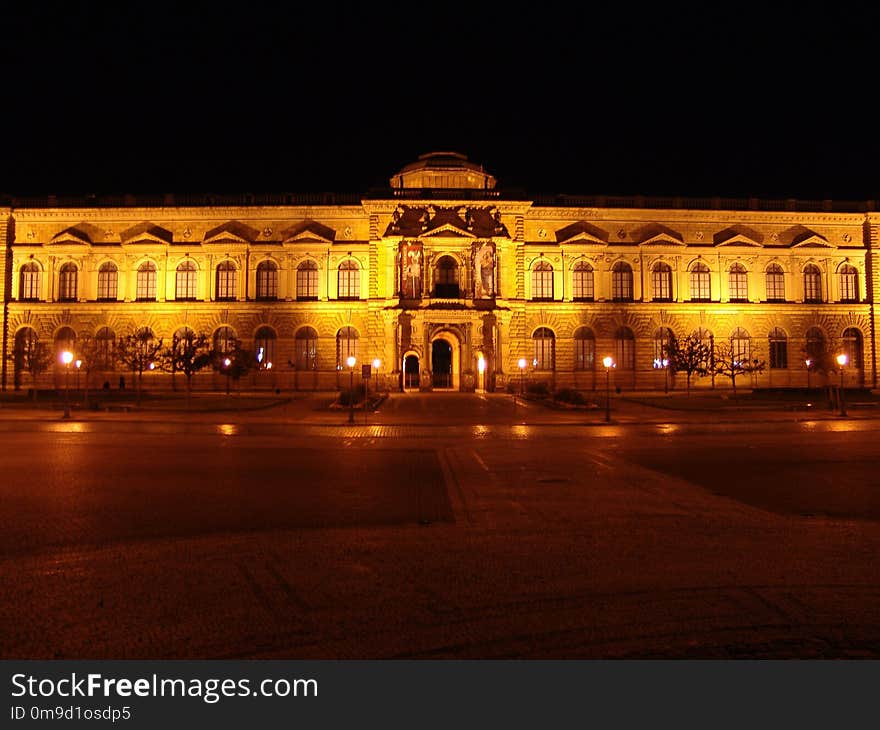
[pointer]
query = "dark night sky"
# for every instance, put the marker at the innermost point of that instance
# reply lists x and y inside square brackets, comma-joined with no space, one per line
[683,100]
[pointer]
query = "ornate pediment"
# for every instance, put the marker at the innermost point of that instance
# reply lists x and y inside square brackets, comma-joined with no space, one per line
[146,232]
[581,231]
[308,231]
[78,234]
[802,236]
[737,236]
[231,232]
[655,234]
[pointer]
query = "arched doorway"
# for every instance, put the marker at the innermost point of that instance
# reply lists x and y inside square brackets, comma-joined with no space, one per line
[445,361]
[441,363]
[411,372]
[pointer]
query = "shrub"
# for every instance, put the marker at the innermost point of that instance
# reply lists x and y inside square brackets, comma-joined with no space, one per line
[569,395]
[538,389]
[346,395]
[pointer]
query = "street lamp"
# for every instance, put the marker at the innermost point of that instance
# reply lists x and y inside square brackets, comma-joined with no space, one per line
[522,376]
[66,358]
[608,362]
[809,363]
[226,363]
[841,361]
[351,362]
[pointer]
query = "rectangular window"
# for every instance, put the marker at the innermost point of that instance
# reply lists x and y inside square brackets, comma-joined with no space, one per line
[739,287]
[307,283]
[226,283]
[621,286]
[812,290]
[775,288]
[582,286]
[107,285]
[146,285]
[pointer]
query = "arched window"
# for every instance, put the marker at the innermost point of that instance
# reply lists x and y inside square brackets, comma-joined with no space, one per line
[545,349]
[816,348]
[27,353]
[182,337]
[664,340]
[661,281]
[346,345]
[582,282]
[108,282]
[146,282]
[267,280]
[775,279]
[67,280]
[306,349]
[625,349]
[65,339]
[225,341]
[542,281]
[349,280]
[186,281]
[105,349]
[446,284]
[852,348]
[849,283]
[29,283]
[307,281]
[741,345]
[812,283]
[621,282]
[227,276]
[264,348]
[584,349]
[707,339]
[701,283]
[778,346]
[738,283]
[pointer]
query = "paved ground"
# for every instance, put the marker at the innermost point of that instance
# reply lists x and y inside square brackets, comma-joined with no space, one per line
[447,526]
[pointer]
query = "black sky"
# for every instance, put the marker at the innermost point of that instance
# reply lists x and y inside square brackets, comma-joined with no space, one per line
[704,99]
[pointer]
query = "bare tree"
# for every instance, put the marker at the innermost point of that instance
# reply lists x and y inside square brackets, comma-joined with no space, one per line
[689,355]
[187,355]
[233,363]
[729,362]
[139,352]
[93,355]
[34,358]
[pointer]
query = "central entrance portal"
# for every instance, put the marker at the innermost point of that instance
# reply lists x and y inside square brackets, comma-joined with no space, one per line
[441,363]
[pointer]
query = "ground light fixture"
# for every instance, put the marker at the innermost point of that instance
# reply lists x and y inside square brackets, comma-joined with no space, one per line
[608,362]
[842,360]
[350,361]
[66,358]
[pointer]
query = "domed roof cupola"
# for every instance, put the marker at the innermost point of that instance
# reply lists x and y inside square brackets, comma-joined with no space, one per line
[443,170]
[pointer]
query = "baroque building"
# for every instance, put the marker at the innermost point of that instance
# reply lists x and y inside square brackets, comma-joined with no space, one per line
[447,280]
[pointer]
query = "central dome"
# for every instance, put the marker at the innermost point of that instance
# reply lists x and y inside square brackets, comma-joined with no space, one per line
[443,170]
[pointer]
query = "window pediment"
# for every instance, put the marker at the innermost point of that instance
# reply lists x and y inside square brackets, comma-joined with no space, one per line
[74,234]
[581,231]
[655,234]
[309,231]
[231,232]
[802,236]
[738,236]
[146,232]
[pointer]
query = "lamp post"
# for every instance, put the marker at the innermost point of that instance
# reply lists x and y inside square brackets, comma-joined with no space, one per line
[522,376]
[66,358]
[841,361]
[608,362]
[351,362]
[809,363]
[226,363]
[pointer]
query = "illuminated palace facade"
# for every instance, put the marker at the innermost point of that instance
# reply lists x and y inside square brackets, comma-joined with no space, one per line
[447,280]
